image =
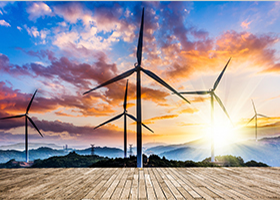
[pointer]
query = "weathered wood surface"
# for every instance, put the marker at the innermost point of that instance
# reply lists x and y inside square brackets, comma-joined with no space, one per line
[147,183]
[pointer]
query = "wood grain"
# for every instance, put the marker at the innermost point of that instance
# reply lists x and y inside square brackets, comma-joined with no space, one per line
[147,183]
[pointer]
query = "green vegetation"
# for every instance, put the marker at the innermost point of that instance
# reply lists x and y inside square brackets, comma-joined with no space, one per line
[75,160]
[70,160]
[156,161]
[233,161]
[10,164]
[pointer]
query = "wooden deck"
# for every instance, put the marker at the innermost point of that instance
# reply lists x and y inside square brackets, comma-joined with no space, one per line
[133,183]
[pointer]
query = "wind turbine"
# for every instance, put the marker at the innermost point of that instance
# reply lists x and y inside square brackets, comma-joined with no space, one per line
[212,94]
[138,68]
[26,117]
[256,119]
[124,114]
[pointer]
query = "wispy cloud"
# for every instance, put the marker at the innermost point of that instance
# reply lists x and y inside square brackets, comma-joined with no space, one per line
[152,120]
[4,23]
[245,24]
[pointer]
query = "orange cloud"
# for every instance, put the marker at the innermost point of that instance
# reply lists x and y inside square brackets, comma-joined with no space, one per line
[243,47]
[189,110]
[151,120]
[245,24]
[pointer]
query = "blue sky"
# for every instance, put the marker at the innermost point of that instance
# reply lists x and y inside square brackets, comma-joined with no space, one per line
[65,48]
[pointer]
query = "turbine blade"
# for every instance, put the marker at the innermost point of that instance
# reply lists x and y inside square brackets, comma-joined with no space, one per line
[16,116]
[30,102]
[34,125]
[263,115]
[162,82]
[196,92]
[254,106]
[222,106]
[125,96]
[147,128]
[114,118]
[251,119]
[140,41]
[133,118]
[117,78]
[220,77]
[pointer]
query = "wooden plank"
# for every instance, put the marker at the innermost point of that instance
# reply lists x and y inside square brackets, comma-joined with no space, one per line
[233,186]
[171,187]
[150,190]
[157,189]
[92,178]
[18,182]
[128,184]
[142,186]
[245,185]
[120,186]
[103,189]
[47,180]
[61,183]
[98,184]
[186,184]
[168,194]
[179,184]
[134,188]
[114,184]
[216,187]
[148,183]
[72,186]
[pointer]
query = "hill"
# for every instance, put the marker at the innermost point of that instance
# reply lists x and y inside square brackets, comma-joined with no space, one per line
[21,146]
[156,161]
[265,150]
[71,160]
[45,152]
[75,160]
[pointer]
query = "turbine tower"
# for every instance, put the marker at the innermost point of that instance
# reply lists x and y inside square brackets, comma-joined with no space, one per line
[138,68]
[256,120]
[92,149]
[26,117]
[212,95]
[124,114]
[130,150]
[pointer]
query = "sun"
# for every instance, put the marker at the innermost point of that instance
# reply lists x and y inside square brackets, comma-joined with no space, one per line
[223,134]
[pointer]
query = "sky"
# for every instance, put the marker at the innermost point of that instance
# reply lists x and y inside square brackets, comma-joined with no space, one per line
[64,49]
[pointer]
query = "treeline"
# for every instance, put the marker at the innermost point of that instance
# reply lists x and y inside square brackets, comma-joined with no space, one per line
[71,160]
[156,161]
[75,160]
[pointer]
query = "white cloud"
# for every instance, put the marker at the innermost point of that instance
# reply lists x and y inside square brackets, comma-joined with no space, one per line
[43,35]
[2,5]
[62,24]
[38,9]
[95,25]
[19,28]
[4,23]
[33,31]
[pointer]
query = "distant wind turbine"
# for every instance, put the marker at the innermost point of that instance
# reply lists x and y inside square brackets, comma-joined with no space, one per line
[256,120]
[138,68]
[26,117]
[124,114]
[212,94]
